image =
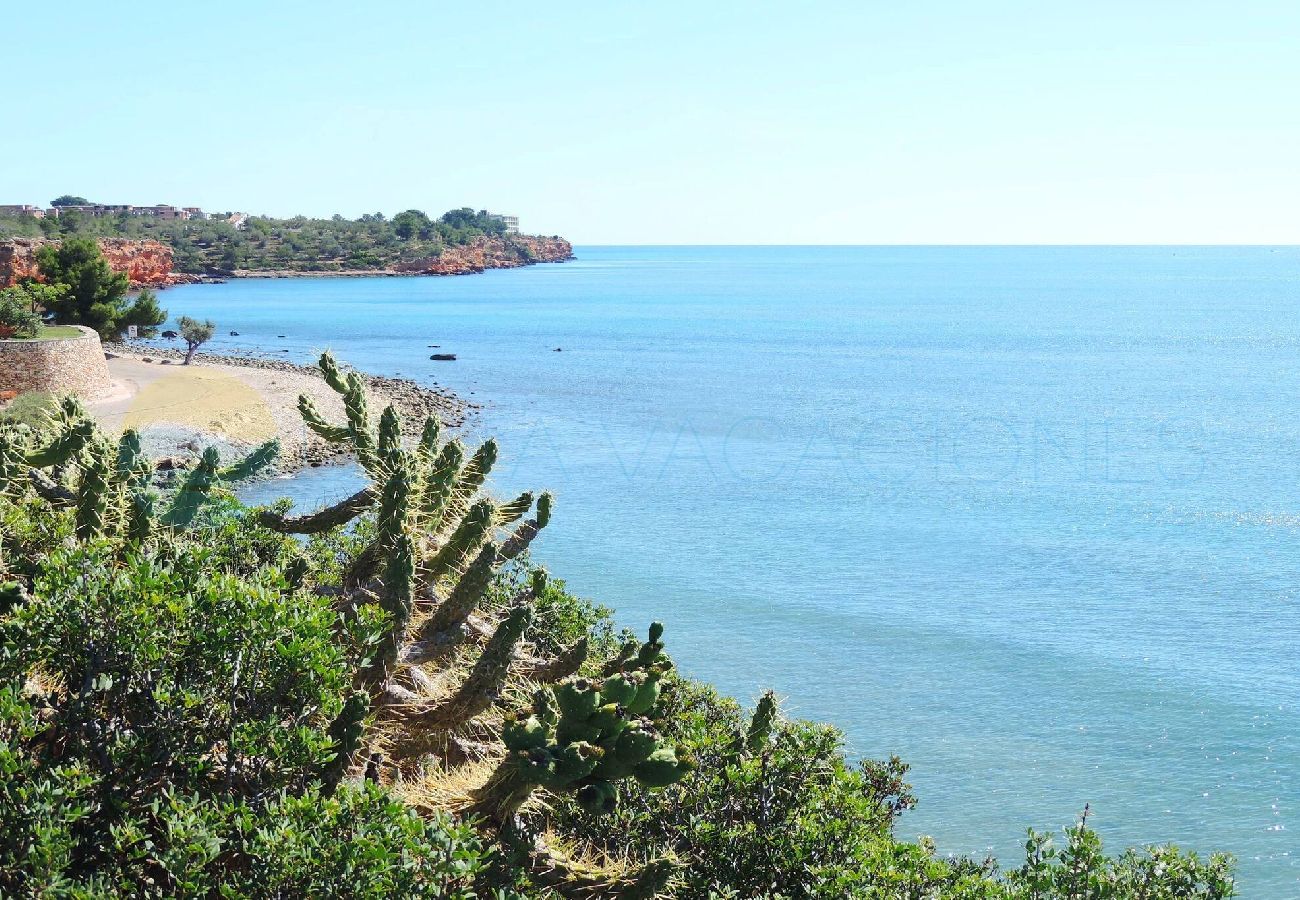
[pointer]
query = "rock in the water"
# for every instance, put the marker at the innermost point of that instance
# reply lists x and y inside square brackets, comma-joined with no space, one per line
[234,334]
[445,357]
[558,349]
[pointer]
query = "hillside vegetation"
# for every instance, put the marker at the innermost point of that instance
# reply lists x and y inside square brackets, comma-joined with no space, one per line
[387,698]
[215,246]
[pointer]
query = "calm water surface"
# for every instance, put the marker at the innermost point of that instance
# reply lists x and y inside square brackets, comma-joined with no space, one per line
[1029,518]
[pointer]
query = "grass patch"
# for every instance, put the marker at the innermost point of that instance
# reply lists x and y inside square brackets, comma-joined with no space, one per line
[55,332]
[50,333]
[34,409]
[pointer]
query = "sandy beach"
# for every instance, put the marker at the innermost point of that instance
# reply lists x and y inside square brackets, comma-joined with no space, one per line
[236,403]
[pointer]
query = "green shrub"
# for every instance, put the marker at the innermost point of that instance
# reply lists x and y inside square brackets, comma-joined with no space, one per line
[788,817]
[163,726]
[17,316]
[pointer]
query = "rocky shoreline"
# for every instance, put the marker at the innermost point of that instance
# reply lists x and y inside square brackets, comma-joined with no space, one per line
[413,400]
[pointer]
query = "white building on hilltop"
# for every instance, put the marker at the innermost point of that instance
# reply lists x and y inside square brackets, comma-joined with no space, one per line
[511,223]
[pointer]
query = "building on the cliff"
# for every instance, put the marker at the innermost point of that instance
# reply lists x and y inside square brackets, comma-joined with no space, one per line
[93,210]
[22,209]
[157,211]
[511,223]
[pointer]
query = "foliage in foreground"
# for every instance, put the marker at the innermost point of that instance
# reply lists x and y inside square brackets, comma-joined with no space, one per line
[399,703]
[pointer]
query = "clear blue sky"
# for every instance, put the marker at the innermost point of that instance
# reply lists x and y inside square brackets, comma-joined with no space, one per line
[667,122]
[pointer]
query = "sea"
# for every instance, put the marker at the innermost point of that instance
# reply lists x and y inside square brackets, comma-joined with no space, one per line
[1027,517]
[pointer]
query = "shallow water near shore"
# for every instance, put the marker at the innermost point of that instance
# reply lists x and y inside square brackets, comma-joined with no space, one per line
[1027,517]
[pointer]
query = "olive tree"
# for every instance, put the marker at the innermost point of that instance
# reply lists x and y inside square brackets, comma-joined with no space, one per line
[195,334]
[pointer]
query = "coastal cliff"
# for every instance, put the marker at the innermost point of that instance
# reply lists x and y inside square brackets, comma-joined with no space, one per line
[150,263]
[146,263]
[483,253]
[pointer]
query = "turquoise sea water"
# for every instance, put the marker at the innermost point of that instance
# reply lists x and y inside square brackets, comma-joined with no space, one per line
[1027,517]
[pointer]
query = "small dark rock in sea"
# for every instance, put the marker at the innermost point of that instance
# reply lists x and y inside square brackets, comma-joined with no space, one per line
[443,356]
[234,334]
[434,346]
[558,349]
[170,334]
[280,335]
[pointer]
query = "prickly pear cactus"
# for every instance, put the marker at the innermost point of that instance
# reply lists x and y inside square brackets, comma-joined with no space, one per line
[585,735]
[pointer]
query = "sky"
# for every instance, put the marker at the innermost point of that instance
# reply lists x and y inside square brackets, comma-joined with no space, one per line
[934,122]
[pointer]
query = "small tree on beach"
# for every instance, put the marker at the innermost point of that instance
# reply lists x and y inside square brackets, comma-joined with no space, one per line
[195,334]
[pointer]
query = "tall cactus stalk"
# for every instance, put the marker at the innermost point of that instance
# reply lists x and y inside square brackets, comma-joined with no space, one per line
[464,597]
[109,486]
[528,531]
[346,731]
[93,491]
[483,685]
[464,542]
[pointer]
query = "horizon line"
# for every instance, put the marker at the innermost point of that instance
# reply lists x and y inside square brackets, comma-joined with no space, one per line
[955,245]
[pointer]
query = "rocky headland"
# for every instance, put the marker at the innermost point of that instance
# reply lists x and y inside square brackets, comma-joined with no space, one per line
[150,263]
[484,253]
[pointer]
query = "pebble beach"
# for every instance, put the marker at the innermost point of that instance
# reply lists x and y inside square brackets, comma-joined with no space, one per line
[237,402]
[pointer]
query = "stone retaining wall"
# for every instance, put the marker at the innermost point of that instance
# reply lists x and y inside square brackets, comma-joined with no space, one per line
[62,366]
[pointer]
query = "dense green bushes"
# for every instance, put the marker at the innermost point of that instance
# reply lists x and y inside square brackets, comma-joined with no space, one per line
[778,812]
[398,703]
[163,725]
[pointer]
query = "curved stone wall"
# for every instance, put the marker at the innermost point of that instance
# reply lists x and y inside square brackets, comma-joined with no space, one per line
[62,366]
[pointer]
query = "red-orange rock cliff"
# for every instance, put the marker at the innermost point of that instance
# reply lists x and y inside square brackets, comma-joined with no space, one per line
[147,263]
[482,253]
